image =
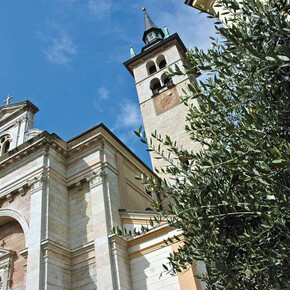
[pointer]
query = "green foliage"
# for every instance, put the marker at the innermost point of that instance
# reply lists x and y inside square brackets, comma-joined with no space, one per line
[231,198]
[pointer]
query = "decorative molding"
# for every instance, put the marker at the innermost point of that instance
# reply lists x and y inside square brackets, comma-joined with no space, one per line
[95,178]
[68,254]
[22,190]
[43,140]
[83,249]
[155,247]
[139,221]
[9,197]
[114,240]
[150,235]
[24,254]
[18,121]
[87,143]
[37,182]
[79,185]
[118,246]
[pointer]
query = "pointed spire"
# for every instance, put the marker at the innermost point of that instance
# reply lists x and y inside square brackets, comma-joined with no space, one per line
[152,33]
[132,51]
[167,33]
[148,21]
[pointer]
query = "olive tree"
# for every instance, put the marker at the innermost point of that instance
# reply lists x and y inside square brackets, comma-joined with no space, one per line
[230,199]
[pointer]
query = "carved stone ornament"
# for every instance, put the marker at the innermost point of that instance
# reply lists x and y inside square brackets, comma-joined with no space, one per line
[6,267]
[96,178]
[22,191]
[37,181]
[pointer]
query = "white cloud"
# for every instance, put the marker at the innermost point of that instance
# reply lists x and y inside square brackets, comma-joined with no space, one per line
[128,119]
[129,116]
[102,95]
[61,49]
[100,8]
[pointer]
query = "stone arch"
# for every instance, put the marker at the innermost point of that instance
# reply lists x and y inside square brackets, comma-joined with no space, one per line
[7,215]
[166,80]
[151,67]
[155,85]
[5,141]
[13,241]
[161,61]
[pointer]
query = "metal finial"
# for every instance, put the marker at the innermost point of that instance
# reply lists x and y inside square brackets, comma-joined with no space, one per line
[132,51]
[144,9]
[167,33]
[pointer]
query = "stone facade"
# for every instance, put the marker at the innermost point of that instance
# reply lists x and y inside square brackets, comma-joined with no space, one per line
[58,203]
[59,200]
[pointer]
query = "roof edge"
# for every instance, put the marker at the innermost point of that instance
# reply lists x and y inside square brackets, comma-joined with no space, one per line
[143,53]
[101,125]
[24,103]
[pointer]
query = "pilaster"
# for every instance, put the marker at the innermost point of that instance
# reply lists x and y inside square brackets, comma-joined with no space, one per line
[100,216]
[35,262]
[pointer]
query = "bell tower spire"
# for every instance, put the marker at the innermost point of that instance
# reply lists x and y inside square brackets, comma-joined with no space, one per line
[152,33]
[159,94]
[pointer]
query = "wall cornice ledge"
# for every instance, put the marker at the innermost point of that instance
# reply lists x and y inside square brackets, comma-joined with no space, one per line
[88,247]
[43,141]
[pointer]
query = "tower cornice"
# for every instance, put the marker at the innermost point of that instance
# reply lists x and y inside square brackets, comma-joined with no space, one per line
[146,52]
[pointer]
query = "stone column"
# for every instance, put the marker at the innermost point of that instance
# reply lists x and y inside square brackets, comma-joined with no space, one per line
[37,212]
[101,228]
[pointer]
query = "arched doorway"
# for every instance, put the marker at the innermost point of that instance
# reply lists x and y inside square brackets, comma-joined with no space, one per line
[12,242]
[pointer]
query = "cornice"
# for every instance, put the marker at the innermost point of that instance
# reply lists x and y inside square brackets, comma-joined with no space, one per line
[141,57]
[33,184]
[152,248]
[154,233]
[85,144]
[20,108]
[43,141]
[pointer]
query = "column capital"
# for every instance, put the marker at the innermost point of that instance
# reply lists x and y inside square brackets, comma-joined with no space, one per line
[37,181]
[96,177]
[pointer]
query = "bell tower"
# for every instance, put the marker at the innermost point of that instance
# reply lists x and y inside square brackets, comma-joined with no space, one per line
[159,95]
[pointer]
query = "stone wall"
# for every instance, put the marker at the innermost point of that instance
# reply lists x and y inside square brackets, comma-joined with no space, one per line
[12,238]
[148,273]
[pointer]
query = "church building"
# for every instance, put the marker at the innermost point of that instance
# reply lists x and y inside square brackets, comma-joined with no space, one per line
[59,200]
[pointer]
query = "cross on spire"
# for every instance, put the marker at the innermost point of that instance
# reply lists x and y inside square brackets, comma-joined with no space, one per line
[8,100]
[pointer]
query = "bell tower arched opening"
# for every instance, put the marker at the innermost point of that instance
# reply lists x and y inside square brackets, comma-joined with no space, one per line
[161,62]
[155,86]
[151,67]
[166,80]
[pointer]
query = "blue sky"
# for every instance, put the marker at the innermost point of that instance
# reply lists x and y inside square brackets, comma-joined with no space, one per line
[66,57]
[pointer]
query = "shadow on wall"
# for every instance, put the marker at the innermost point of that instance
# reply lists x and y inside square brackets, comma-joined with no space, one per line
[148,272]
[81,236]
[140,270]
